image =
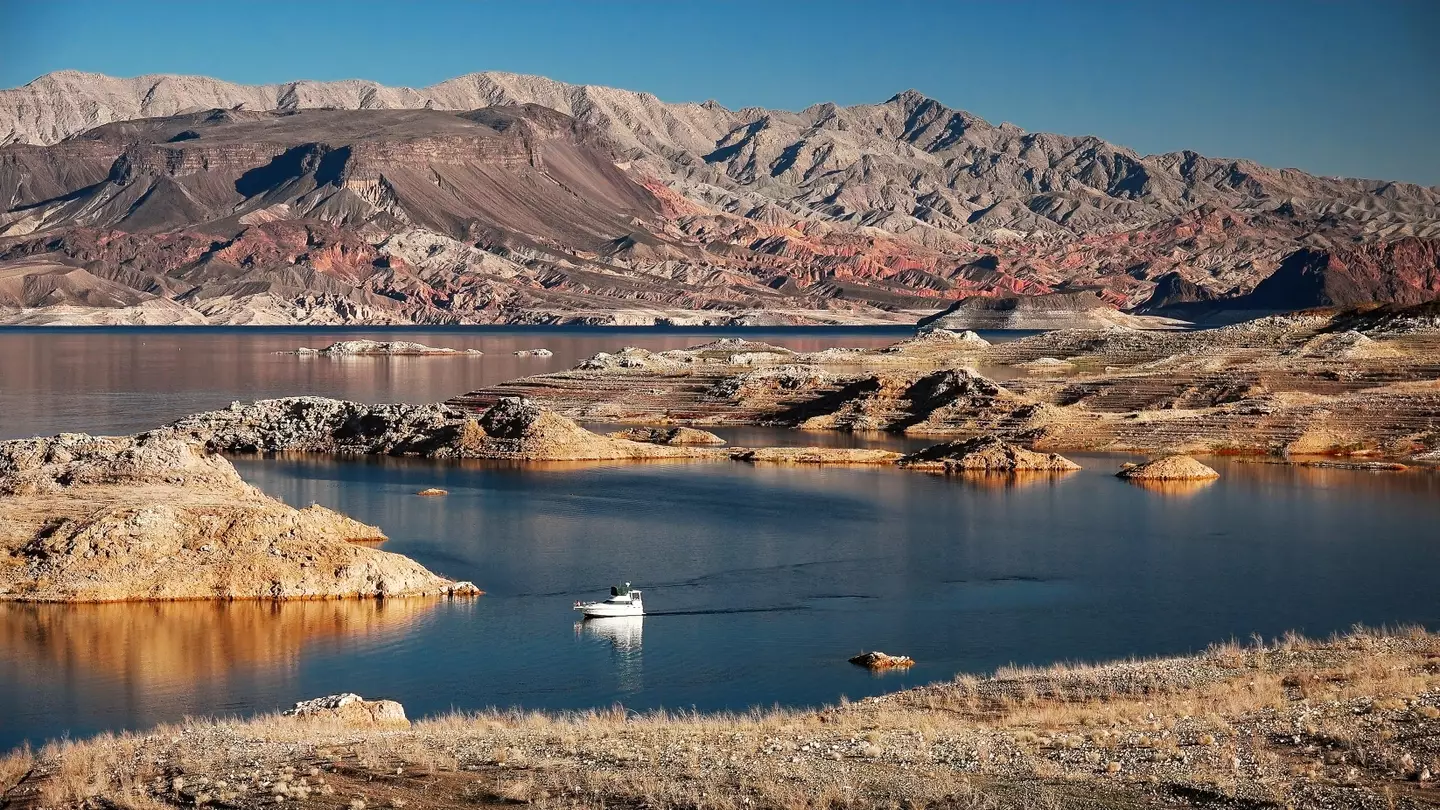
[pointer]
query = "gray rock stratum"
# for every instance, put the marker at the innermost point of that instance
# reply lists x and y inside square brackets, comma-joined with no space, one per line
[497,197]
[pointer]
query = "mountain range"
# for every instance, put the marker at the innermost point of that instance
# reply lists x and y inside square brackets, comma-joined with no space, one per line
[502,198]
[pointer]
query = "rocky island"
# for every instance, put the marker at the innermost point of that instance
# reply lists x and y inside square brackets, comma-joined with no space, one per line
[1332,382]
[153,517]
[383,348]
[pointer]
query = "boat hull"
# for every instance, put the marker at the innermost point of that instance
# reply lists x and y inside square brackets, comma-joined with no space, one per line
[601,610]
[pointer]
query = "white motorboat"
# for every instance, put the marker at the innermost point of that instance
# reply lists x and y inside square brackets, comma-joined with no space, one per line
[623,601]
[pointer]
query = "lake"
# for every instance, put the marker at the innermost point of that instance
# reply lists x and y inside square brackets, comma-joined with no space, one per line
[760,580]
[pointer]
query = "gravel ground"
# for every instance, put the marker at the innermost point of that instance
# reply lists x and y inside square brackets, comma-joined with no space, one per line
[1352,722]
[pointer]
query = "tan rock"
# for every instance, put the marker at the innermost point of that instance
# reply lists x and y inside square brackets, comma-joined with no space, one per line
[985,454]
[879,660]
[1169,468]
[816,455]
[433,492]
[352,710]
[674,437]
[521,429]
[97,519]
[379,348]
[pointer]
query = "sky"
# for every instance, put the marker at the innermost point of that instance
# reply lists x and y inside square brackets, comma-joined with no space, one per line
[1334,88]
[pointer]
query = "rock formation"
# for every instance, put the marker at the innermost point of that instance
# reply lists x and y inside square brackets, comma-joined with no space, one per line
[350,709]
[1169,468]
[370,348]
[673,436]
[816,455]
[512,429]
[1361,381]
[155,517]
[879,660]
[1052,311]
[933,335]
[985,454]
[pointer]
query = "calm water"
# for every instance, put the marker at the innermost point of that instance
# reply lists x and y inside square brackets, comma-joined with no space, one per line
[760,580]
[109,381]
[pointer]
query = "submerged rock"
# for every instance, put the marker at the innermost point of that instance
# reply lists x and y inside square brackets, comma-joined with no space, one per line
[879,660]
[985,454]
[351,709]
[674,437]
[1170,468]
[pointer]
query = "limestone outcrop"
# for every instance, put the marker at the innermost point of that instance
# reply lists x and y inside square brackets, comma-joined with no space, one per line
[383,348]
[985,454]
[1355,382]
[879,660]
[1169,468]
[348,708]
[514,428]
[816,455]
[155,517]
[673,436]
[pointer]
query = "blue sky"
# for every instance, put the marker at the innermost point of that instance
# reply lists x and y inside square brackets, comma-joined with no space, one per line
[1330,87]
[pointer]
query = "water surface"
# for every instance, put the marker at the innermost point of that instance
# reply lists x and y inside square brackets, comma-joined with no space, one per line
[761,580]
[123,380]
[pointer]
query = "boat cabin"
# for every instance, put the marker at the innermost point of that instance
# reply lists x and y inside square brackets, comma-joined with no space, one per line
[623,594]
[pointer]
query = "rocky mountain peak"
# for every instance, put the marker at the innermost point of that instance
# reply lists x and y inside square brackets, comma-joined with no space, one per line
[571,196]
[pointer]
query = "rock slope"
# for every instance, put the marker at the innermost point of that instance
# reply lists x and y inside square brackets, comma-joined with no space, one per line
[513,429]
[1169,468]
[985,454]
[154,517]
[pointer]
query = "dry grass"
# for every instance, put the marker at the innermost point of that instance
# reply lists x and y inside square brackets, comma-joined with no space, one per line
[14,766]
[1255,722]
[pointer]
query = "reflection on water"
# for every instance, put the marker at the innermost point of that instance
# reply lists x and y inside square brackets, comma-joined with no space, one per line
[1180,489]
[109,381]
[170,644]
[135,664]
[623,632]
[624,635]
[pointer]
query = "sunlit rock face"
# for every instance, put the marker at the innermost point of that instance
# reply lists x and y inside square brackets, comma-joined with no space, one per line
[500,198]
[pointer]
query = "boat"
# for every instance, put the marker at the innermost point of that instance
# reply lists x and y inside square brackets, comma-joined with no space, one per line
[623,601]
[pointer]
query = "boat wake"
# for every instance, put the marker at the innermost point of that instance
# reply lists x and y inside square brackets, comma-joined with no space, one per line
[721,611]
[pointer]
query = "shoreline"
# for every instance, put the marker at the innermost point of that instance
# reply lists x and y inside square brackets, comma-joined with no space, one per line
[1314,385]
[1353,720]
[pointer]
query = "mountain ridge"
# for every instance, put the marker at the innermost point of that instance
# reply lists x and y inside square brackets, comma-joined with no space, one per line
[153,80]
[878,208]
